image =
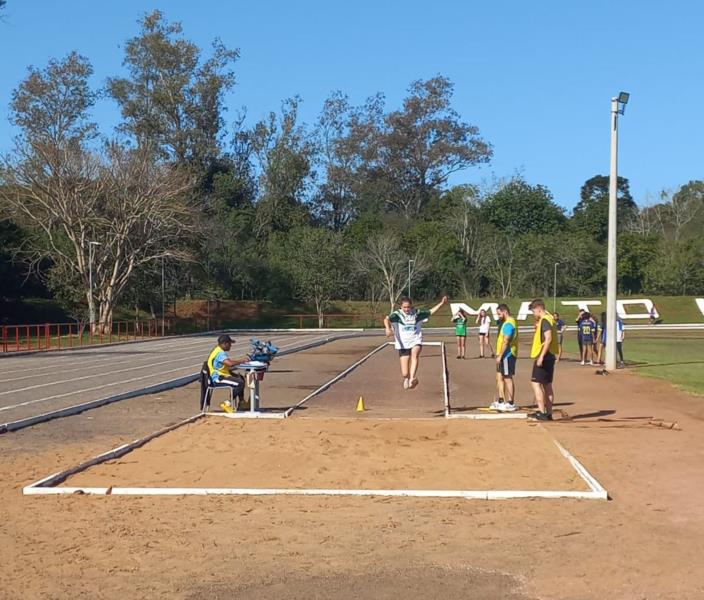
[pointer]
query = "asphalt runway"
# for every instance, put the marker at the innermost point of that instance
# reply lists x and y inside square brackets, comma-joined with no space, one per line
[39,383]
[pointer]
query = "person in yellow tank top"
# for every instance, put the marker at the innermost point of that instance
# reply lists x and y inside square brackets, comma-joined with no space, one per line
[506,355]
[544,350]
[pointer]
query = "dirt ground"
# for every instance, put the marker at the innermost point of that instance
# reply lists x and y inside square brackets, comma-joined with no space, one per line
[644,543]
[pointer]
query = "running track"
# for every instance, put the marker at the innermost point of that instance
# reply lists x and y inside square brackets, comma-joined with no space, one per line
[39,383]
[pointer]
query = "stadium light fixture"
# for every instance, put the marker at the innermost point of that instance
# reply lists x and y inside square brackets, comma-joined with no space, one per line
[622,101]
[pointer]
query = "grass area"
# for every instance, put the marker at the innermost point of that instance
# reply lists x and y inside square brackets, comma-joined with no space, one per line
[662,355]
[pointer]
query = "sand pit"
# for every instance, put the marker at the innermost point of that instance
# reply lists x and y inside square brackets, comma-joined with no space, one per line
[342,454]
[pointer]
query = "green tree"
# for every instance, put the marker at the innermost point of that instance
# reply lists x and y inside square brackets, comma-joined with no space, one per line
[635,254]
[283,155]
[172,100]
[591,214]
[425,142]
[677,268]
[316,261]
[518,208]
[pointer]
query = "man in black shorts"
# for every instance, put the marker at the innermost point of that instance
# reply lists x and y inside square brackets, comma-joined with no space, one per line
[544,350]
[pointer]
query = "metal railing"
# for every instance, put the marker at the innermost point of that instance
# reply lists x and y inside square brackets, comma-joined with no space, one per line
[58,336]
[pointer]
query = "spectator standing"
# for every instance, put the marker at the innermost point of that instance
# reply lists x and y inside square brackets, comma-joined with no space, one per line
[560,326]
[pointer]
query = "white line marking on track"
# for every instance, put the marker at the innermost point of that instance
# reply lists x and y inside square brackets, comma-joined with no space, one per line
[102,361]
[58,363]
[107,385]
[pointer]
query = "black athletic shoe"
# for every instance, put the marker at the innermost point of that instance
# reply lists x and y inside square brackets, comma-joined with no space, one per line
[541,416]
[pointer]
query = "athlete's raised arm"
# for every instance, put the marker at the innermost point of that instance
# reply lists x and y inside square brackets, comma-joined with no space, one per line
[439,305]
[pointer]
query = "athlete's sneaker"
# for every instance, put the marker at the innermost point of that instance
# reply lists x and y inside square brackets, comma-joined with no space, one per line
[227,407]
[621,365]
[406,383]
[582,363]
[497,405]
[540,416]
[507,407]
[414,383]
[591,363]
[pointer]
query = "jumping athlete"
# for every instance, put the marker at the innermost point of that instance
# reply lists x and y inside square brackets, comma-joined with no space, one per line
[506,354]
[405,326]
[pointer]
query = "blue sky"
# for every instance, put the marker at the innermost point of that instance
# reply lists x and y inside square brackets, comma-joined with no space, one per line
[535,77]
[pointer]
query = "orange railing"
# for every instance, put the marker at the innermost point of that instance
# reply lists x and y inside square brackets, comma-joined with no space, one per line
[55,336]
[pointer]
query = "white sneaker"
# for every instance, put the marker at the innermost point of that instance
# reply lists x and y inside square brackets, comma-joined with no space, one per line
[591,363]
[583,363]
[507,407]
[496,405]
[406,383]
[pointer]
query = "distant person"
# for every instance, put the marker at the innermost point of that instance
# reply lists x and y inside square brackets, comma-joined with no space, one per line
[602,341]
[595,343]
[219,368]
[484,322]
[460,321]
[506,355]
[587,329]
[652,315]
[560,325]
[405,326]
[500,391]
[620,335]
[544,350]
[578,321]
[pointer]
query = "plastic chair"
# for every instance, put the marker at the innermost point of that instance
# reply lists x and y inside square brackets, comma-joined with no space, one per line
[207,387]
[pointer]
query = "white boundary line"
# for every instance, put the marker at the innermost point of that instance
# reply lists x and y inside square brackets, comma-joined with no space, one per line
[47,485]
[466,494]
[488,416]
[593,484]
[248,414]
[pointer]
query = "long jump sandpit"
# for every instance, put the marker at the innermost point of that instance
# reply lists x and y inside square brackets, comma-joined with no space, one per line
[338,455]
[403,446]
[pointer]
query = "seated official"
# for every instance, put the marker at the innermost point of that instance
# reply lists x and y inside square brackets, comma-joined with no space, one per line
[219,367]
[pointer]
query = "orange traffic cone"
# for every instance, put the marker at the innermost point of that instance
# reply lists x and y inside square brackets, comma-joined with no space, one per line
[360,404]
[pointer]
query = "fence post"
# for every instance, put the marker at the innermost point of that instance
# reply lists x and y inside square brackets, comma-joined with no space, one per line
[4,338]
[58,336]
[47,336]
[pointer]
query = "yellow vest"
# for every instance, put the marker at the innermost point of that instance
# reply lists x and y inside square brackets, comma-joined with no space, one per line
[514,341]
[223,371]
[537,344]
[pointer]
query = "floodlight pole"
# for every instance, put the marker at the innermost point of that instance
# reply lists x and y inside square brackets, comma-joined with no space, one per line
[611,277]
[554,288]
[91,301]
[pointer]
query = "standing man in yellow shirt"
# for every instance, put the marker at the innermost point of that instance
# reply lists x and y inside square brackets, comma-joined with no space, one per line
[506,355]
[544,350]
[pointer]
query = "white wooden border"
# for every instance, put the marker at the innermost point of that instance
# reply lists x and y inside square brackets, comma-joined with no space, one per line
[488,416]
[466,494]
[248,414]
